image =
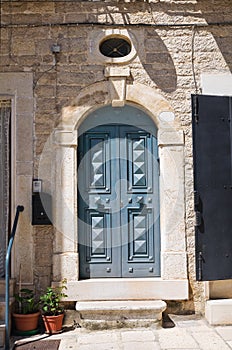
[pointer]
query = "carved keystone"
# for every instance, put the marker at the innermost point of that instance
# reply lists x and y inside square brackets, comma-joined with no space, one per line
[117,78]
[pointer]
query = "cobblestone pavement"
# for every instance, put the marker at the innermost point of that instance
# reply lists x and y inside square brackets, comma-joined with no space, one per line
[190,332]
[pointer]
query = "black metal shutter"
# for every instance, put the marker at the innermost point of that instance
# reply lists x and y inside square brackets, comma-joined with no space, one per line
[212,141]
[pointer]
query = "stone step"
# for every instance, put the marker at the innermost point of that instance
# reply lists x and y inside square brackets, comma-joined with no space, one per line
[3,308]
[121,313]
[11,287]
[127,289]
[219,311]
[2,335]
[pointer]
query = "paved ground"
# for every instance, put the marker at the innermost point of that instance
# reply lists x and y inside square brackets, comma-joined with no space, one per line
[189,333]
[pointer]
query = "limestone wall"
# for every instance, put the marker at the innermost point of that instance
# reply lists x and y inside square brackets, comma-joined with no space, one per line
[176,41]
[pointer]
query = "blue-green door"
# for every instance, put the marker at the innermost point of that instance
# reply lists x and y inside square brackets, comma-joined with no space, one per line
[118,197]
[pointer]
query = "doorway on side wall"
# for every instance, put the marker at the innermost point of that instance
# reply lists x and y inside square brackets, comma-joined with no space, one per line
[118,194]
[5,116]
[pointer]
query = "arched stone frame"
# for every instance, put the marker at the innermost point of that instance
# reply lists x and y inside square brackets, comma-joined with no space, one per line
[173,283]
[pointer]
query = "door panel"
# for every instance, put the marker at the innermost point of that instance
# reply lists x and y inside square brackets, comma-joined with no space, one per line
[118,203]
[98,213]
[140,202]
[212,144]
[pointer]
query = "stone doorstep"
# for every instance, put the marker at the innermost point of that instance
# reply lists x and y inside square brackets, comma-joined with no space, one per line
[122,313]
[219,311]
[2,334]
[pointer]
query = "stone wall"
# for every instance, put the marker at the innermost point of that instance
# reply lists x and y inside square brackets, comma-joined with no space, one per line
[176,42]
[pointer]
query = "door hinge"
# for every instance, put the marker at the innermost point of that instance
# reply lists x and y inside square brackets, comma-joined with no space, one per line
[158,163]
[199,266]
[197,218]
[195,108]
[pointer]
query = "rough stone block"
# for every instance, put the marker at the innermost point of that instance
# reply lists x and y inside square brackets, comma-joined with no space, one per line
[219,312]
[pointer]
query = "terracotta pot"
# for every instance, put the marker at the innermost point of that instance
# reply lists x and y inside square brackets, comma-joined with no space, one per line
[26,322]
[53,324]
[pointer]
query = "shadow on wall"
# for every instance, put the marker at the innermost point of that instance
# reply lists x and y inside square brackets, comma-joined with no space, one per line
[159,64]
[224,43]
[211,12]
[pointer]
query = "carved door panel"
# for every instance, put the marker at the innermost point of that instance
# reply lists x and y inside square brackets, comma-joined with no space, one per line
[118,202]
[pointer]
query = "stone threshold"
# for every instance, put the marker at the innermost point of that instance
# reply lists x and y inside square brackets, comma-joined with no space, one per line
[127,289]
[2,334]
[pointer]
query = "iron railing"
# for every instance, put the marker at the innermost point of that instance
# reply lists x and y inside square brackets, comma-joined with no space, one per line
[19,209]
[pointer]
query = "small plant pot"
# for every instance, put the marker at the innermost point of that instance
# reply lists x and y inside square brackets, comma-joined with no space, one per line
[26,322]
[53,324]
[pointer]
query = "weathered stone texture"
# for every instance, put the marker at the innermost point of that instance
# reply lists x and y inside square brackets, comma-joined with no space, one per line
[166,58]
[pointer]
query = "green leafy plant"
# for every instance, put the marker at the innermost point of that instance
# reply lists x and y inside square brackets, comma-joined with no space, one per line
[27,302]
[50,301]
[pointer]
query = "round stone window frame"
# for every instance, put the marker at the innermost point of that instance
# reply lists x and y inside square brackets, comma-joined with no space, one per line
[105,34]
[113,49]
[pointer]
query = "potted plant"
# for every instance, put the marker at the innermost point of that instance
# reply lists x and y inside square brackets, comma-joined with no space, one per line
[52,308]
[26,315]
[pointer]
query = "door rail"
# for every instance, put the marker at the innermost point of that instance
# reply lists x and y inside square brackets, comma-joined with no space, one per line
[19,209]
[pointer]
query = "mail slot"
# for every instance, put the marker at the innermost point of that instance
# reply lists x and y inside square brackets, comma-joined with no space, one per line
[41,209]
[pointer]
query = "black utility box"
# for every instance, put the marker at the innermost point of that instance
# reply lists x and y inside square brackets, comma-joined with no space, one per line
[41,209]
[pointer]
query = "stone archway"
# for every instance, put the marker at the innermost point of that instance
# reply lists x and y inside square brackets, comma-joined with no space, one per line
[172,224]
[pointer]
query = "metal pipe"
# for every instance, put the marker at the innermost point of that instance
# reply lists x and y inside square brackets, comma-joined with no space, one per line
[19,209]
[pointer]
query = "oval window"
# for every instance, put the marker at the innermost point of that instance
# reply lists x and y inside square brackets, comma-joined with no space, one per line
[115,47]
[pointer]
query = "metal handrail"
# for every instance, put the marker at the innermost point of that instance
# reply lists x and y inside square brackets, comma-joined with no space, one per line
[19,209]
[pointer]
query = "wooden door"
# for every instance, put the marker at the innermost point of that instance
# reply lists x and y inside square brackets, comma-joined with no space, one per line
[118,202]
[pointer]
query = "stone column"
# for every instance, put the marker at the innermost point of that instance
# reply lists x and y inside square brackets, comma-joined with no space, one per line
[65,256]
[172,204]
